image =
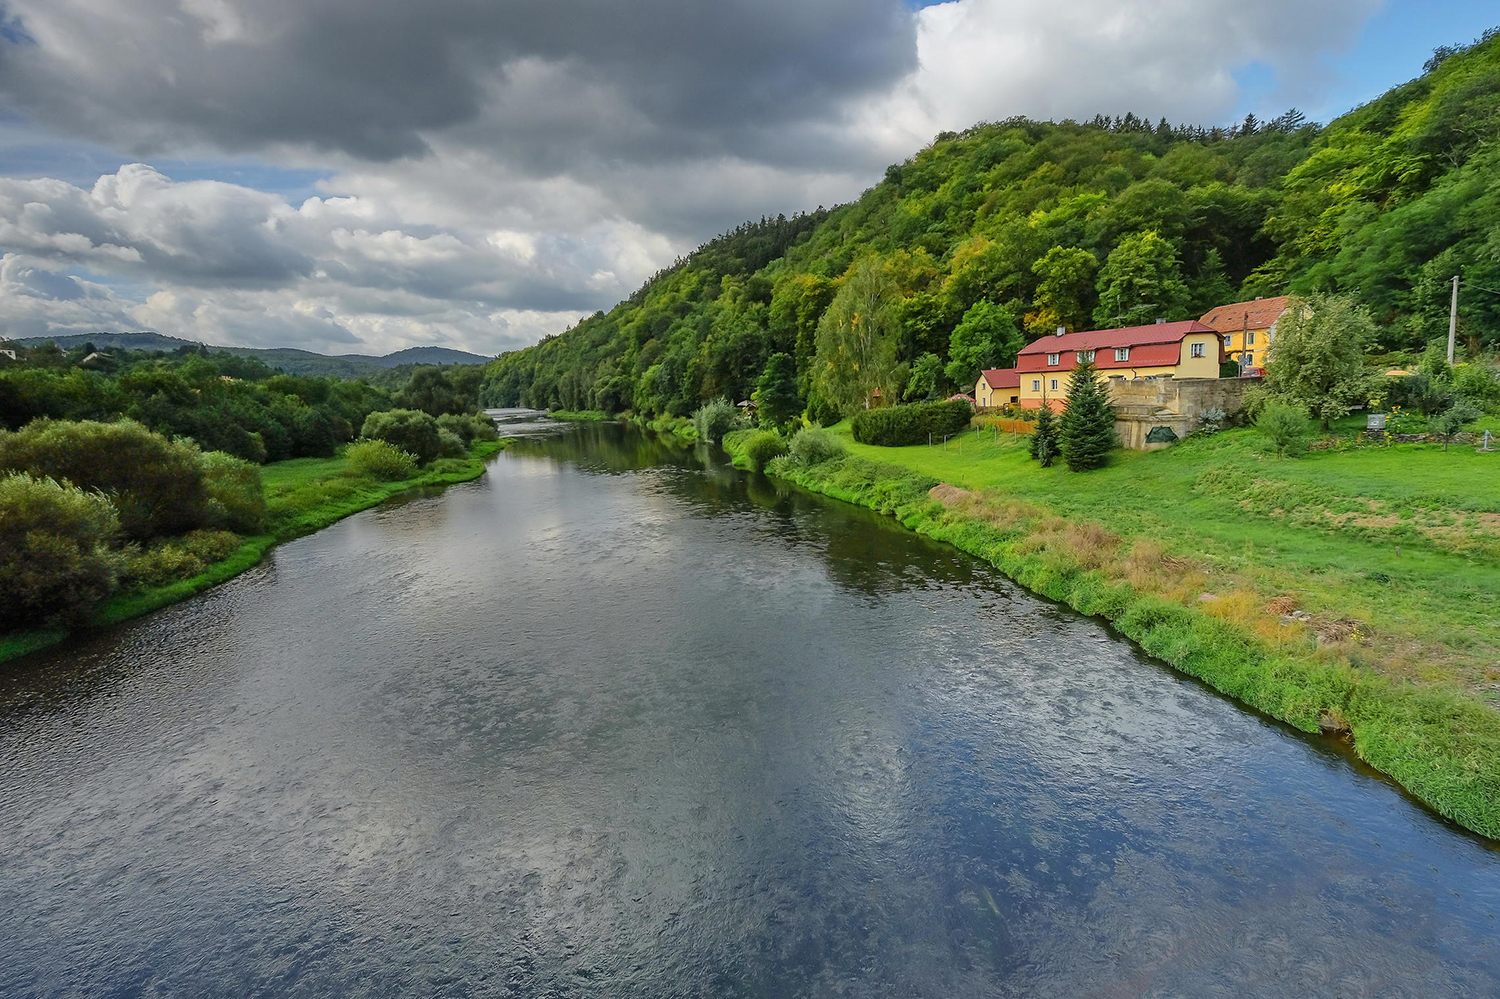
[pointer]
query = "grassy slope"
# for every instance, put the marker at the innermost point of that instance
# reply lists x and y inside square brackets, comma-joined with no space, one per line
[1141,542]
[302,496]
[1281,523]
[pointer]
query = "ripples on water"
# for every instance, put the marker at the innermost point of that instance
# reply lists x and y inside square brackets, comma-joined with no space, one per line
[611,722]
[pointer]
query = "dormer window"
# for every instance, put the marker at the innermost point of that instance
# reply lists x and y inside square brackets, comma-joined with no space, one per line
[1122,353]
[1197,349]
[1052,358]
[1085,356]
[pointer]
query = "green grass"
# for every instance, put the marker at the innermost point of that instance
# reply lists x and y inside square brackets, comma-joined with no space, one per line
[1418,572]
[1439,742]
[578,415]
[302,495]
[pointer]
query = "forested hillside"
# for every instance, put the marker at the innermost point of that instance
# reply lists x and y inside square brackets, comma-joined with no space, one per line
[999,234]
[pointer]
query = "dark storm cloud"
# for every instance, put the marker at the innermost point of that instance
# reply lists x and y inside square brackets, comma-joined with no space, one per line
[368,78]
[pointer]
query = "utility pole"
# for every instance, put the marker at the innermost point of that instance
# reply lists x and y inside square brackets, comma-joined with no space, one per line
[1453,320]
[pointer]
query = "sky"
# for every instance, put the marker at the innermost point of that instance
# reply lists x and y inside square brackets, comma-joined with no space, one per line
[361,176]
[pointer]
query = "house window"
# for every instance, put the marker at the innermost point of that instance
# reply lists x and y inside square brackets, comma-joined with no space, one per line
[1228,342]
[1250,338]
[1122,353]
[1015,399]
[1198,349]
[1085,356]
[1249,359]
[1054,384]
[1036,385]
[1052,358]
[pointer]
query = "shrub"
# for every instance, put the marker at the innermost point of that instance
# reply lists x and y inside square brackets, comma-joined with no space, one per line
[381,460]
[156,485]
[450,445]
[1214,419]
[469,427]
[171,559]
[1475,381]
[236,495]
[761,447]
[1461,412]
[1283,425]
[895,426]
[813,446]
[409,430]
[55,562]
[714,419]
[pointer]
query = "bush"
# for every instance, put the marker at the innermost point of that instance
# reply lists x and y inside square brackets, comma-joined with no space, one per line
[55,562]
[156,485]
[409,430]
[1283,425]
[1447,424]
[714,419]
[1477,382]
[172,559]
[381,460]
[895,426]
[469,427]
[813,446]
[236,495]
[761,447]
[450,445]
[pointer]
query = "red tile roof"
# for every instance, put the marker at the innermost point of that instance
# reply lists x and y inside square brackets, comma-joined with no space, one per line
[1150,346]
[1002,377]
[1260,314]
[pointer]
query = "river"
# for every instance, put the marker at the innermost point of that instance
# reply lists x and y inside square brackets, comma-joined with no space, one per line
[619,720]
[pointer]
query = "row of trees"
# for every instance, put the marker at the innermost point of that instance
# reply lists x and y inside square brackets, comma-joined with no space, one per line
[226,403]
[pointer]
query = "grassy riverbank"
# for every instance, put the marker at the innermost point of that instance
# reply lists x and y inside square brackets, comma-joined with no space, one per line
[302,495]
[1341,591]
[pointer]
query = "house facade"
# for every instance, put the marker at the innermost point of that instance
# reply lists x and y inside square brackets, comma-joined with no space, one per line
[1187,349]
[1248,329]
[997,387]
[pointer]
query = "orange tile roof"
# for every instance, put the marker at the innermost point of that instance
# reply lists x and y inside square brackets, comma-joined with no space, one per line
[1260,314]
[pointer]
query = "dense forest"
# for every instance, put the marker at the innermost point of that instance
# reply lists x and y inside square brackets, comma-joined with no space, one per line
[996,235]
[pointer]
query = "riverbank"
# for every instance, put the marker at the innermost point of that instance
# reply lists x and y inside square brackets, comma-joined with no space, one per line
[302,495]
[1276,581]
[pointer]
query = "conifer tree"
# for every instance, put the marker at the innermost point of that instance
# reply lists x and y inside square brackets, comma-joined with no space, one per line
[1044,439]
[1086,431]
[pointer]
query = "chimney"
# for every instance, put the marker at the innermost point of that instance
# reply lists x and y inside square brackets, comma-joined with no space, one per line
[1160,321]
[1061,330]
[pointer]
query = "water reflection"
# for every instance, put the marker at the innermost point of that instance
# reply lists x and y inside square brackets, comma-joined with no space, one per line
[609,723]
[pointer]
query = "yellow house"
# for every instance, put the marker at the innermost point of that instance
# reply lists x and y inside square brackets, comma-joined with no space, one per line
[1247,328]
[1185,349]
[997,387]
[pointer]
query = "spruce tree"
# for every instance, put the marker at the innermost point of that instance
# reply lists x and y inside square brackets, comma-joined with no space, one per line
[1044,439]
[1086,431]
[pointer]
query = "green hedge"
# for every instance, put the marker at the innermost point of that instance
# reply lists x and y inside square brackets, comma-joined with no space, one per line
[895,426]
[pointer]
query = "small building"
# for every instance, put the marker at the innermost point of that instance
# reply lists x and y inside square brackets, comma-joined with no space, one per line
[1186,349]
[997,387]
[1248,329]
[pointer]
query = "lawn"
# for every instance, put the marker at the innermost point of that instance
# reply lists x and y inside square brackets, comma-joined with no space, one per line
[1403,540]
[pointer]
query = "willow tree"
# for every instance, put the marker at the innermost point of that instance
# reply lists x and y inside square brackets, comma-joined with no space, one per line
[856,362]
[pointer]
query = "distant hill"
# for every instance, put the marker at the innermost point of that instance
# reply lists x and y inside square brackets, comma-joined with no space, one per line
[288,359]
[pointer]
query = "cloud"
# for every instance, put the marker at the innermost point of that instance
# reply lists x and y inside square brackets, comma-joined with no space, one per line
[489,169]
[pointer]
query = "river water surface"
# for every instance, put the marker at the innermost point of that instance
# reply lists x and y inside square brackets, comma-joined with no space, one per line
[617,720]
